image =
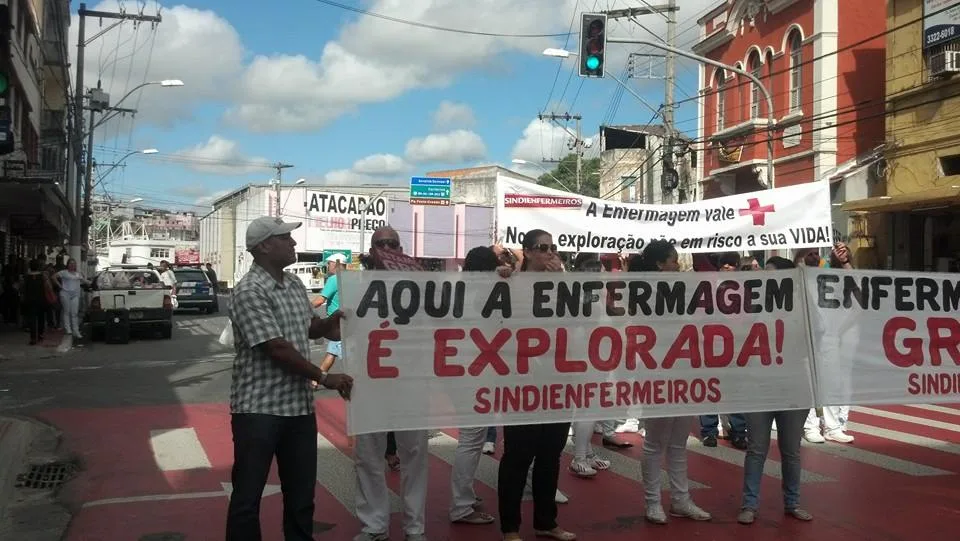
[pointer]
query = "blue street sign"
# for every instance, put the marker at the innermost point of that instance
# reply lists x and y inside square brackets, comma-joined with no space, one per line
[430,191]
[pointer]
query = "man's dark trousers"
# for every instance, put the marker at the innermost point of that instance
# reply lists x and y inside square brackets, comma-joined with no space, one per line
[257,438]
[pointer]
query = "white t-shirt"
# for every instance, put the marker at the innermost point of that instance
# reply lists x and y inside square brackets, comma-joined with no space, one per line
[168,278]
[70,281]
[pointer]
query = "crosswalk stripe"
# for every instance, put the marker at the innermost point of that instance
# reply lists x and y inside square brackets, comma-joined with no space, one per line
[878,460]
[335,474]
[178,449]
[952,427]
[905,437]
[735,457]
[627,467]
[936,409]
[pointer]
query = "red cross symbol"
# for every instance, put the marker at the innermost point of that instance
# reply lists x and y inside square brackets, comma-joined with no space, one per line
[759,213]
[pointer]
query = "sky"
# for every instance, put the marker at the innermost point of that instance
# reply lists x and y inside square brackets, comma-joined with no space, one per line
[349,98]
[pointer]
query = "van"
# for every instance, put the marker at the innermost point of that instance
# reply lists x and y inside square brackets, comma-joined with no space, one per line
[309,273]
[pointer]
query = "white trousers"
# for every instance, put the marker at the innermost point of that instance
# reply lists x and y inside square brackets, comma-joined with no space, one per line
[465,461]
[832,416]
[373,501]
[70,312]
[666,436]
[582,434]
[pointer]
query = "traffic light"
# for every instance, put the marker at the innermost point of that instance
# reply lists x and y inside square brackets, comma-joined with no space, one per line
[593,44]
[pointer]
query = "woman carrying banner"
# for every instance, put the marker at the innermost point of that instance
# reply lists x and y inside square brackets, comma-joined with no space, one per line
[665,436]
[789,433]
[540,444]
[585,462]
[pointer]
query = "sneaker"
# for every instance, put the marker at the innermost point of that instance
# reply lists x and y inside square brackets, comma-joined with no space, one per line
[598,463]
[489,448]
[799,514]
[631,426]
[691,511]
[813,436]
[656,515]
[838,436]
[560,497]
[710,441]
[597,428]
[582,468]
[747,516]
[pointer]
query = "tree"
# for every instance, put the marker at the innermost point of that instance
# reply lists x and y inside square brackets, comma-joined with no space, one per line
[566,173]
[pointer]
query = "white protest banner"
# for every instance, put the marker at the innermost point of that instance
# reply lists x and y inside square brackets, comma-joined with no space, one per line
[436,350]
[883,337]
[782,218]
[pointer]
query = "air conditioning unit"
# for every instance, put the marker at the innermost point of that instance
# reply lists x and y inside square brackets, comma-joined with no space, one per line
[944,63]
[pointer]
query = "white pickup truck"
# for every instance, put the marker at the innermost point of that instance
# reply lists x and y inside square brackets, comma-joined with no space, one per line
[138,290]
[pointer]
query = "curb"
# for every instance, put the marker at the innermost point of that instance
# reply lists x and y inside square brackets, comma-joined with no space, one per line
[30,513]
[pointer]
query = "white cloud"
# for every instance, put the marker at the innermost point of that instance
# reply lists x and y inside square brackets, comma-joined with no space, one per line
[380,164]
[220,156]
[196,46]
[452,147]
[545,140]
[453,115]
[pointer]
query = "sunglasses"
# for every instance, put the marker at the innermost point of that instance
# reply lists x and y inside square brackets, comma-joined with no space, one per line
[544,248]
[393,244]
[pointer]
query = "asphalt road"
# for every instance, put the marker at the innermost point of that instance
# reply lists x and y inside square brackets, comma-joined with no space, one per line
[150,423]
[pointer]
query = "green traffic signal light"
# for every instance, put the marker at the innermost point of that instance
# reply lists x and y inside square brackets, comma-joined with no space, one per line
[593,62]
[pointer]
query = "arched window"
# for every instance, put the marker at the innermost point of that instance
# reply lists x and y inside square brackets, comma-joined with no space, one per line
[721,78]
[796,69]
[754,87]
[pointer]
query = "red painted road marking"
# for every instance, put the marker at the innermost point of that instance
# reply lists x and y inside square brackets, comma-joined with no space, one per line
[865,502]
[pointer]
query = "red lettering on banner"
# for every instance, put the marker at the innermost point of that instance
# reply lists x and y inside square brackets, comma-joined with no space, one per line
[612,359]
[686,346]
[441,351]
[489,352]
[711,357]
[912,351]
[604,395]
[640,340]
[757,344]
[531,343]
[376,352]
[560,360]
[933,384]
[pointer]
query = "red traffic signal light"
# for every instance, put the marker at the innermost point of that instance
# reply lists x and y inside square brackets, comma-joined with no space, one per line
[593,44]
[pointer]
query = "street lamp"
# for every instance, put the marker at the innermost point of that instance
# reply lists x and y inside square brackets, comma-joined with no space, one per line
[771,122]
[518,161]
[166,83]
[135,200]
[299,182]
[120,161]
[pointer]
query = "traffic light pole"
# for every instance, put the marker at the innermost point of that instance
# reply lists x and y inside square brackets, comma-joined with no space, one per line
[80,226]
[771,122]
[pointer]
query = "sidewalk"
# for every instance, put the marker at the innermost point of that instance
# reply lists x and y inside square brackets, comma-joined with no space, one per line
[15,344]
[28,505]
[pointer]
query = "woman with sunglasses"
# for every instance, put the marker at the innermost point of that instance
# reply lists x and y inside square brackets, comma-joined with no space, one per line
[665,436]
[540,444]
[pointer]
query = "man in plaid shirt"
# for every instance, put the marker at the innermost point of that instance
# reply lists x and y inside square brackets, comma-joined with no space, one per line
[271,395]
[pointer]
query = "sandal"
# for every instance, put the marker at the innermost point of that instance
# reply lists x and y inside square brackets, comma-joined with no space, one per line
[616,443]
[476,517]
[557,533]
[512,537]
[799,514]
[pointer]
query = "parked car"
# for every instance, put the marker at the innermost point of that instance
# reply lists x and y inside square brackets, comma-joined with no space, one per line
[135,290]
[195,290]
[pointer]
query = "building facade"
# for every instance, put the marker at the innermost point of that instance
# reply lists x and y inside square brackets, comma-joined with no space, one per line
[822,62]
[341,219]
[35,212]
[913,222]
[631,166]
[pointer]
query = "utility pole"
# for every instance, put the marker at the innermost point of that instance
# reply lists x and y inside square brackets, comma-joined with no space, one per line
[279,167]
[578,142]
[80,226]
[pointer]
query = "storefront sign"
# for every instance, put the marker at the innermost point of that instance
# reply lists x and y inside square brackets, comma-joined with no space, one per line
[941,21]
[335,221]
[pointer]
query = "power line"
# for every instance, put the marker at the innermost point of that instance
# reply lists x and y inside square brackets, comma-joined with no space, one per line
[408,22]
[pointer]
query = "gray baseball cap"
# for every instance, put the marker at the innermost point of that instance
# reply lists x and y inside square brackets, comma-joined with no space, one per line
[265,227]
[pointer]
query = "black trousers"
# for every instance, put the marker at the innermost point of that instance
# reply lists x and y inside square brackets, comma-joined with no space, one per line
[257,439]
[391,445]
[35,318]
[542,445]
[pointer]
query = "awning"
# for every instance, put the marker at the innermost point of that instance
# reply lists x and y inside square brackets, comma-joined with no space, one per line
[944,196]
